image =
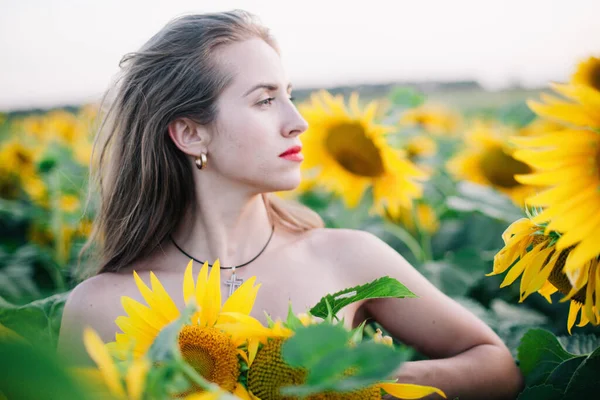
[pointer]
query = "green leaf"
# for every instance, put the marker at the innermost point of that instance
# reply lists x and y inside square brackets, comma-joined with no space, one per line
[30,373]
[331,359]
[38,321]
[562,375]
[540,392]
[379,288]
[321,339]
[539,354]
[486,200]
[375,362]
[585,382]
[292,321]
[327,370]
[356,334]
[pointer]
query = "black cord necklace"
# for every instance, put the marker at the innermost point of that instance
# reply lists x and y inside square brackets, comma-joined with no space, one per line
[233,268]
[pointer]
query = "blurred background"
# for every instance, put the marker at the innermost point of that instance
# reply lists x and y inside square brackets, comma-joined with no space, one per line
[453,82]
[64,52]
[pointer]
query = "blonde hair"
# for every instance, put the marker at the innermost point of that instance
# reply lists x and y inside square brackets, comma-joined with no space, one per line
[143,179]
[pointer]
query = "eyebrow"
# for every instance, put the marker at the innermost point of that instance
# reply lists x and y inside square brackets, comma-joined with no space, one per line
[268,86]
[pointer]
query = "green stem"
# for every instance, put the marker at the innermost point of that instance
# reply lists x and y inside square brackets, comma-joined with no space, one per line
[56,223]
[426,245]
[405,237]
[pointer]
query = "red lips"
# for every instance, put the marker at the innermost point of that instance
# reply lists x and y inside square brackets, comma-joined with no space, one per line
[291,150]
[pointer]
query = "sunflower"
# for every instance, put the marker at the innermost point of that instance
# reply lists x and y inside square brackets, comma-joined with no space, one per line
[420,146]
[588,73]
[69,203]
[488,160]
[350,153]
[19,160]
[541,267]
[269,373]
[212,342]
[567,167]
[436,119]
[108,376]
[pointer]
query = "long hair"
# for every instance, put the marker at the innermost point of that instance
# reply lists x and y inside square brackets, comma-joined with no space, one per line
[143,182]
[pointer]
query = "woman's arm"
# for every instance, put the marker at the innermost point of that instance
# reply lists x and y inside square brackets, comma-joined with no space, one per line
[468,359]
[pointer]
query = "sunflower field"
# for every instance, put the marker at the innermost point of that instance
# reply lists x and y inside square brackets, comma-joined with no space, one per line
[499,207]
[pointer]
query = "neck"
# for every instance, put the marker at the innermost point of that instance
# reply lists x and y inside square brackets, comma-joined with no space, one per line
[233,229]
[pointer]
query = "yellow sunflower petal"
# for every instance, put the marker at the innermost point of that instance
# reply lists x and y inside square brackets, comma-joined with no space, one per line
[242,299]
[519,267]
[243,393]
[157,298]
[98,352]
[583,252]
[142,314]
[563,111]
[409,391]
[136,378]
[547,290]
[202,289]
[532,271]
[573,311]
[211,303]
[252,350]
[214,395]
[189,290]
[588,307]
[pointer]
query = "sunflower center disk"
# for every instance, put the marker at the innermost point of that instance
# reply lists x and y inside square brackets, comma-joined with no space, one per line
[354,151]
[595,77]
[561,281]
[269,373]
[500,168]
[211,353]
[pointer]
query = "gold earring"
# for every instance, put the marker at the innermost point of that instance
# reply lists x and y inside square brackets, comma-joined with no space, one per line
[201,161]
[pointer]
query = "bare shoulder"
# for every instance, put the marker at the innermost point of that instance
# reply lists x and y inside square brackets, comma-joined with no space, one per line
[349,247]
[332,240]
[93,303]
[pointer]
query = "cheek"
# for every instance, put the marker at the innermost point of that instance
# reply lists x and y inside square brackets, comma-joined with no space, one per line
[244,144]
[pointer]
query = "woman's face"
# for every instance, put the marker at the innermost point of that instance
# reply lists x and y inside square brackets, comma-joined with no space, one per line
[256,120]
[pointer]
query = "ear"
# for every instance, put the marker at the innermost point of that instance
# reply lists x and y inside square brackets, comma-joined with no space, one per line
[188,136]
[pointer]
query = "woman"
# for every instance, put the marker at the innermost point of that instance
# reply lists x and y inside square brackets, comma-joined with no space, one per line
[200,132]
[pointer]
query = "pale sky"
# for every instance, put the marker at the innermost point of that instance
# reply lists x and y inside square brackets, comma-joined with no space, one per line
[56,52]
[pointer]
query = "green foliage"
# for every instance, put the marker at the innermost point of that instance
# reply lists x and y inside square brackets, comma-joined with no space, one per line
[406,97]
[30,373]
[473,197]
[539,354]
[38,321]
[547,365]
[379,288]
[545,392]
[332,364]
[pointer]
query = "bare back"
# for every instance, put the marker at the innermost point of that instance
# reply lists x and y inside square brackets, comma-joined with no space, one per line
[296,267]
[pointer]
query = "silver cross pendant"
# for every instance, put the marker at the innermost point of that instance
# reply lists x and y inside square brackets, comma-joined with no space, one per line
[234,282]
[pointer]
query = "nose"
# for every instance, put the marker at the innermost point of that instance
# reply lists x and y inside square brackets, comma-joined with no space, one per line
[295,124]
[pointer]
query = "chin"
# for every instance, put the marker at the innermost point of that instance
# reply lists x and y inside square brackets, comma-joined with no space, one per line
[289,182]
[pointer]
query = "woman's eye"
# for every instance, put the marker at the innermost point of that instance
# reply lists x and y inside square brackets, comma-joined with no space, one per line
[267,102]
